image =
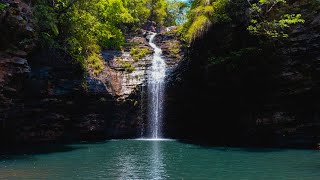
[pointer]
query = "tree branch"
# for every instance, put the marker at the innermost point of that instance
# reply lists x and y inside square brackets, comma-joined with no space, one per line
[275,3]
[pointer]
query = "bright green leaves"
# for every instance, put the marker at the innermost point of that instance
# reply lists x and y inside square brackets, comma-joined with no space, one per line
[198,26]
[94,61]
[202,15]
[289,19]
[113,11]
[269,19]
[138,10]
[255,9]
[138,53]
[94,25]
[111,15]
[157,10]
[271,1]
[82,28]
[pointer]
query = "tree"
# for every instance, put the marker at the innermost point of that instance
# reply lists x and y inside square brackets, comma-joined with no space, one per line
[157,10]
[82,28]
[138,10]
[268,18]
[175,13]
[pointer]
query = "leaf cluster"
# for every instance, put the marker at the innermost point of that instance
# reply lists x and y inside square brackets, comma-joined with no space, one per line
[270,18]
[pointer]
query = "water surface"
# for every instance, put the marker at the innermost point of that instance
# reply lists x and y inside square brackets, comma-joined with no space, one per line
[145,159]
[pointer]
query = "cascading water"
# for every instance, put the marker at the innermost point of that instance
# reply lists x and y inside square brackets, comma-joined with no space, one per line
[156,90]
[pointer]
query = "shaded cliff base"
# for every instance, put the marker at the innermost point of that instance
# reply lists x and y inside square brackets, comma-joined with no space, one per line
[240,90]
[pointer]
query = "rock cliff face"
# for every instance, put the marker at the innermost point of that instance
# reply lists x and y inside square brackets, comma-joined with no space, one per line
[15,43]
[42,96]
[257,94]
[122,75]
[45,98]
[173,49]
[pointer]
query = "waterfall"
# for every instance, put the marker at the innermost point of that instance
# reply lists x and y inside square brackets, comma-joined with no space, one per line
[156,90]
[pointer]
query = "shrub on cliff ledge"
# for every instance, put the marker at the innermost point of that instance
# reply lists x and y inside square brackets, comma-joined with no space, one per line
[202,15]
[139,53]
[128,67]
[95,62]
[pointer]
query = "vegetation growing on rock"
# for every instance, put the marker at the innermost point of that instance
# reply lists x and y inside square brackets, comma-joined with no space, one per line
[81,29]
[139,53]
[202,15]
[267,76]
[269,18]
[127,66]
[249,56]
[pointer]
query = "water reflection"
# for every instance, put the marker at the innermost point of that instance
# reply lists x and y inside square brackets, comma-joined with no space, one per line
[128,167]
[132,164]
[157,170]
[126,164]
[148,159]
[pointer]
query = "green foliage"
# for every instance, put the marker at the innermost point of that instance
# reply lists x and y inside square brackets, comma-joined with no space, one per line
[128,66]
[198,27]
[157,10]
[202,15]
[139,53]
[94,61]
[175,13]
[82,28]
[112,15]
[138,10]
[268,18]
[3,6]
[46,19]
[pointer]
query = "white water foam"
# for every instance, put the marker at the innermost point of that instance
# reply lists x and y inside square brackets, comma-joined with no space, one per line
[156,90]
